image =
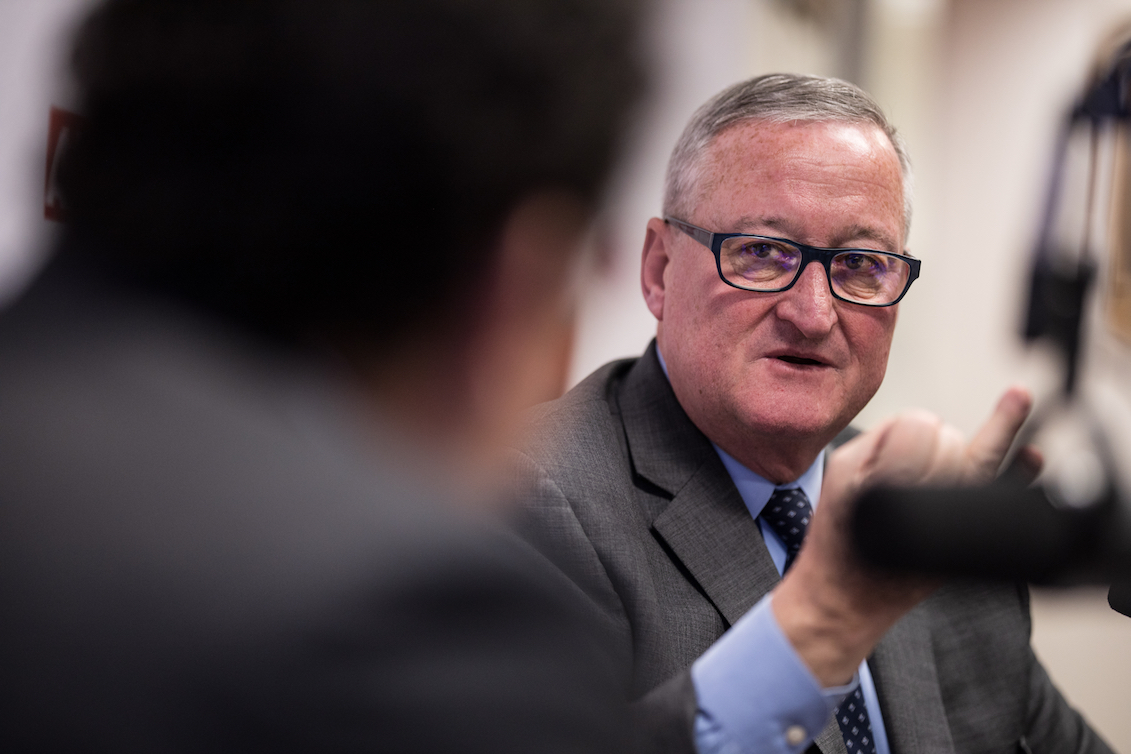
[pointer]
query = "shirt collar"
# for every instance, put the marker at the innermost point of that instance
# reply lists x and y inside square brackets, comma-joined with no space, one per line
[755,489]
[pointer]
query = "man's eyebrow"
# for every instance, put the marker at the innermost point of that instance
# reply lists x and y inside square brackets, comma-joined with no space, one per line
[861,233]
[759,225]
[854,236]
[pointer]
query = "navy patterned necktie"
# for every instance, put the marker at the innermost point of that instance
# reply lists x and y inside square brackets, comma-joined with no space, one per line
[788,513]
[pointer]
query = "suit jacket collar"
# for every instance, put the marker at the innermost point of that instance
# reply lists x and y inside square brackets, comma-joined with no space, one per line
[706,524]
[665,446]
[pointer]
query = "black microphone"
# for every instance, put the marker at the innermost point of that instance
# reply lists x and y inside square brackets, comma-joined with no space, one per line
[1004,530]
[1119,597]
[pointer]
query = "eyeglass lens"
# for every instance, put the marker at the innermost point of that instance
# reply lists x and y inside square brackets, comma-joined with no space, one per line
[760,264]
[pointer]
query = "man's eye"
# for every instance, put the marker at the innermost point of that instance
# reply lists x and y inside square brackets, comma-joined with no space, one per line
[760,250]
[765,250]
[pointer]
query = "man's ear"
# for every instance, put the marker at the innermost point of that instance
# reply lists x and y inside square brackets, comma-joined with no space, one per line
[653,265]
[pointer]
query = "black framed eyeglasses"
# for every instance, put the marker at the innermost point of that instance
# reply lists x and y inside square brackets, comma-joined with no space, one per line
[767,265]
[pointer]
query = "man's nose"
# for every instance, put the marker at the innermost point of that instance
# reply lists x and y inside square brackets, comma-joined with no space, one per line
[809,304]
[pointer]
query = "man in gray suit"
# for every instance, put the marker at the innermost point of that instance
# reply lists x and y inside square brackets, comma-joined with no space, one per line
[675,489]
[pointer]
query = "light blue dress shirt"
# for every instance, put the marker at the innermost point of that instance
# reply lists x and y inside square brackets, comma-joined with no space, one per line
[755,492]
[755,694]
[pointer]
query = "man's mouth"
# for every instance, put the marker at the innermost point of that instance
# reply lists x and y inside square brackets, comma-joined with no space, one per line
[801,361]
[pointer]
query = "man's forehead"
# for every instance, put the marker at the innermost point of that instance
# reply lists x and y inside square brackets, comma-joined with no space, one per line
[750,162]
[758,142]
[860,130]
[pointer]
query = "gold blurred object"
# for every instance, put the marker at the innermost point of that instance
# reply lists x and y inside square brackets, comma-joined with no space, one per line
[1118,305]
[820,11]
[1119,288]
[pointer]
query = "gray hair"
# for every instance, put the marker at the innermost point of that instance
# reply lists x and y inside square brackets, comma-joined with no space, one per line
[775,98]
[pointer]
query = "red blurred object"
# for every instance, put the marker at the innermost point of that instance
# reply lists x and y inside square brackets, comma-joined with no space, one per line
[61,128]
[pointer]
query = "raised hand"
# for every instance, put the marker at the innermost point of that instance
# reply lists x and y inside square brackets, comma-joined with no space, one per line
[833,608]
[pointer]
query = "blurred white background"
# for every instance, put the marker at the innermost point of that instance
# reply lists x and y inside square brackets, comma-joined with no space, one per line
[976,87]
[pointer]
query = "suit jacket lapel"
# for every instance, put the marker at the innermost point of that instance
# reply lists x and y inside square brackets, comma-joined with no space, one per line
[706,524]
[709,529]
[903,667]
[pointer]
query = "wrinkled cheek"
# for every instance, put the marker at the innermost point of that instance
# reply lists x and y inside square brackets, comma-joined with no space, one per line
[872,373]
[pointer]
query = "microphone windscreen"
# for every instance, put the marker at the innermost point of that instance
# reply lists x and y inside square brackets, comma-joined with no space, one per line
[1000,531]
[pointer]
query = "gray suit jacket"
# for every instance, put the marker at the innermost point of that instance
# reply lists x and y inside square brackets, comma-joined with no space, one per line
[203,550]
[631,502]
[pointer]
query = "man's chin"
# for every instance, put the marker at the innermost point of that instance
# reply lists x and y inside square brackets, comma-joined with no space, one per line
[781,447]
[797,424]
[813,409]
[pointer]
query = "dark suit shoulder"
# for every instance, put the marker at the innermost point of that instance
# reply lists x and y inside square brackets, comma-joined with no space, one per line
[600,469]
[200,551]
[576,450]
[581,417]
[589,511]
[573,485]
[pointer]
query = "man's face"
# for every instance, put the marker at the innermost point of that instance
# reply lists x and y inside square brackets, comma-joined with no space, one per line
[778,374]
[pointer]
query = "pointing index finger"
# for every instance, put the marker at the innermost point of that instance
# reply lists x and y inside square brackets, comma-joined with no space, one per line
[988,448]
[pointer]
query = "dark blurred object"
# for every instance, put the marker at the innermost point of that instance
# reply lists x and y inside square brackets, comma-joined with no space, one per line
[1119,597]
[1076,526]
[1005,530]
[220,530]
[62,125]
[197,554]
[307,142]
[1063,268]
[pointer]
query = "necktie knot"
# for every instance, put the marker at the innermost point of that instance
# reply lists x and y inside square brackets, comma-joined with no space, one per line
[788,513]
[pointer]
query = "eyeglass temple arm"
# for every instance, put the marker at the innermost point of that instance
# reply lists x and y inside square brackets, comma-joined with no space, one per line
[699,234]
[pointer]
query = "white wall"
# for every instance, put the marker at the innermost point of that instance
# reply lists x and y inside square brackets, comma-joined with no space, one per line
[689,61]
[33,36]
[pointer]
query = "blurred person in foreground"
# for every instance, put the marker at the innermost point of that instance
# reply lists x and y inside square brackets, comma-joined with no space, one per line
[677,488]
[321,254]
